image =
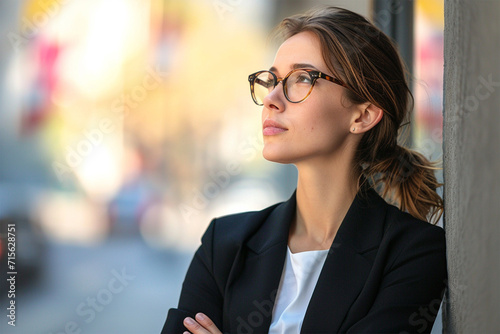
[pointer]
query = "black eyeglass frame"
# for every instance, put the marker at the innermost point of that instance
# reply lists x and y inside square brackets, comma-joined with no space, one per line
[315,75]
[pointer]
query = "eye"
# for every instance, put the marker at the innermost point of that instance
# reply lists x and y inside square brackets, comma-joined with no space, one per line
[265,80]
[302,77]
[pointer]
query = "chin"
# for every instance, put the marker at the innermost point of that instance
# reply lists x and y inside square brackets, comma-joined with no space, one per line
[278,156]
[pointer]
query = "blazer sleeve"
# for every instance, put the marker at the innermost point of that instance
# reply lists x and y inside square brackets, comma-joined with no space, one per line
[412,288]
[200,292]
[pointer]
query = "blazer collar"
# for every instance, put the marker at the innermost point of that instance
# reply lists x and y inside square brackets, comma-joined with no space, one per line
[355,229]
[275,228]
[343,275]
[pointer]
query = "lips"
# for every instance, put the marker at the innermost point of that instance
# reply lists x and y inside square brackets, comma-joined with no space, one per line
[271,127]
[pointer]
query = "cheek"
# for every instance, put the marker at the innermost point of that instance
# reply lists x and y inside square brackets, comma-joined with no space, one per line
[313,131]
[323,117]
[328,122]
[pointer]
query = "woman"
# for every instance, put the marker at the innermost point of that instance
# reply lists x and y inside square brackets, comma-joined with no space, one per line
[335,257]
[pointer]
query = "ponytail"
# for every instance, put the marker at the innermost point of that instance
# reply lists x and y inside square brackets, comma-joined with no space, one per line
[407,179]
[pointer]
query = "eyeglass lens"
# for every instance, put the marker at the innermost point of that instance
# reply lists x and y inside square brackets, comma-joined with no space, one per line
[297,86]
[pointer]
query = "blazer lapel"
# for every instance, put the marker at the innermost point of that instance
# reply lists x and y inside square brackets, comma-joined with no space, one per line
[346,269]
[253,282]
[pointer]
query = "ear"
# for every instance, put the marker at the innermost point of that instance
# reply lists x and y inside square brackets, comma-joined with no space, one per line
[366,117]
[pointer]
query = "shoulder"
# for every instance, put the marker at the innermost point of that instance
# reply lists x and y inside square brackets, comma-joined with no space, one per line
[408,238]
[254,229]
[376,224]
[237,227]
[405,225]
[395,220]
[226,236]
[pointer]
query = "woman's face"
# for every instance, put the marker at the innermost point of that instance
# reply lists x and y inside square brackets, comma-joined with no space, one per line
[316,128]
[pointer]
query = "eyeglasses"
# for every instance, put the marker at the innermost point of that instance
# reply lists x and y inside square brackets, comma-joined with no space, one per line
[297,84]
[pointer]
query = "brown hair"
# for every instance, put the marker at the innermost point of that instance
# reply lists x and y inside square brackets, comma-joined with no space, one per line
[368,62]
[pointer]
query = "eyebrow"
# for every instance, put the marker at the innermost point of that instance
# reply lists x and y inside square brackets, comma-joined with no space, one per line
[295,66]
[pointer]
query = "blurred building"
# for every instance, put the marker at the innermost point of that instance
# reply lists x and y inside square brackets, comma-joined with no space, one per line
[125,119]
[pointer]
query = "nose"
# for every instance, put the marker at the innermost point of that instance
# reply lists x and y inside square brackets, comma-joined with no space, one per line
[275,100]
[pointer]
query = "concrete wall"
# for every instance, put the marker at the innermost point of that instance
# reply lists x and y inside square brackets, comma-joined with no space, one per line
[472,165]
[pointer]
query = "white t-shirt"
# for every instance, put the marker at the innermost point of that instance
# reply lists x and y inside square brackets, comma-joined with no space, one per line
[300,275]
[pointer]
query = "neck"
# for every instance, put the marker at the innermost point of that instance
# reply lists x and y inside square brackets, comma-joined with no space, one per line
[325,192]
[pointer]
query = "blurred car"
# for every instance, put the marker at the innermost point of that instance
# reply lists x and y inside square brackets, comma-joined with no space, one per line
[127,207]
[16,203]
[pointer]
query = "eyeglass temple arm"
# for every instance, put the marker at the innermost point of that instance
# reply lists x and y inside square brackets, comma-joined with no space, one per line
[332,79]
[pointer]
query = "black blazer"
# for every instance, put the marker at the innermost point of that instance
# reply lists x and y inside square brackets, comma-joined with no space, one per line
[385,272]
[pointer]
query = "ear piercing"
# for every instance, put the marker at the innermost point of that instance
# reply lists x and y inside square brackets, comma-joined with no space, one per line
[353,129]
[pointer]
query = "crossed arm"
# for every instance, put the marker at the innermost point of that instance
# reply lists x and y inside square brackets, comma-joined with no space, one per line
[414,282]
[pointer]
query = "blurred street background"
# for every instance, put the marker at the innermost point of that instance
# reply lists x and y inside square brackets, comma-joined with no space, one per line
[125,127]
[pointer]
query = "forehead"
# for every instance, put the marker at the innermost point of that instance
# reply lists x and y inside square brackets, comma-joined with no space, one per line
[302,48]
